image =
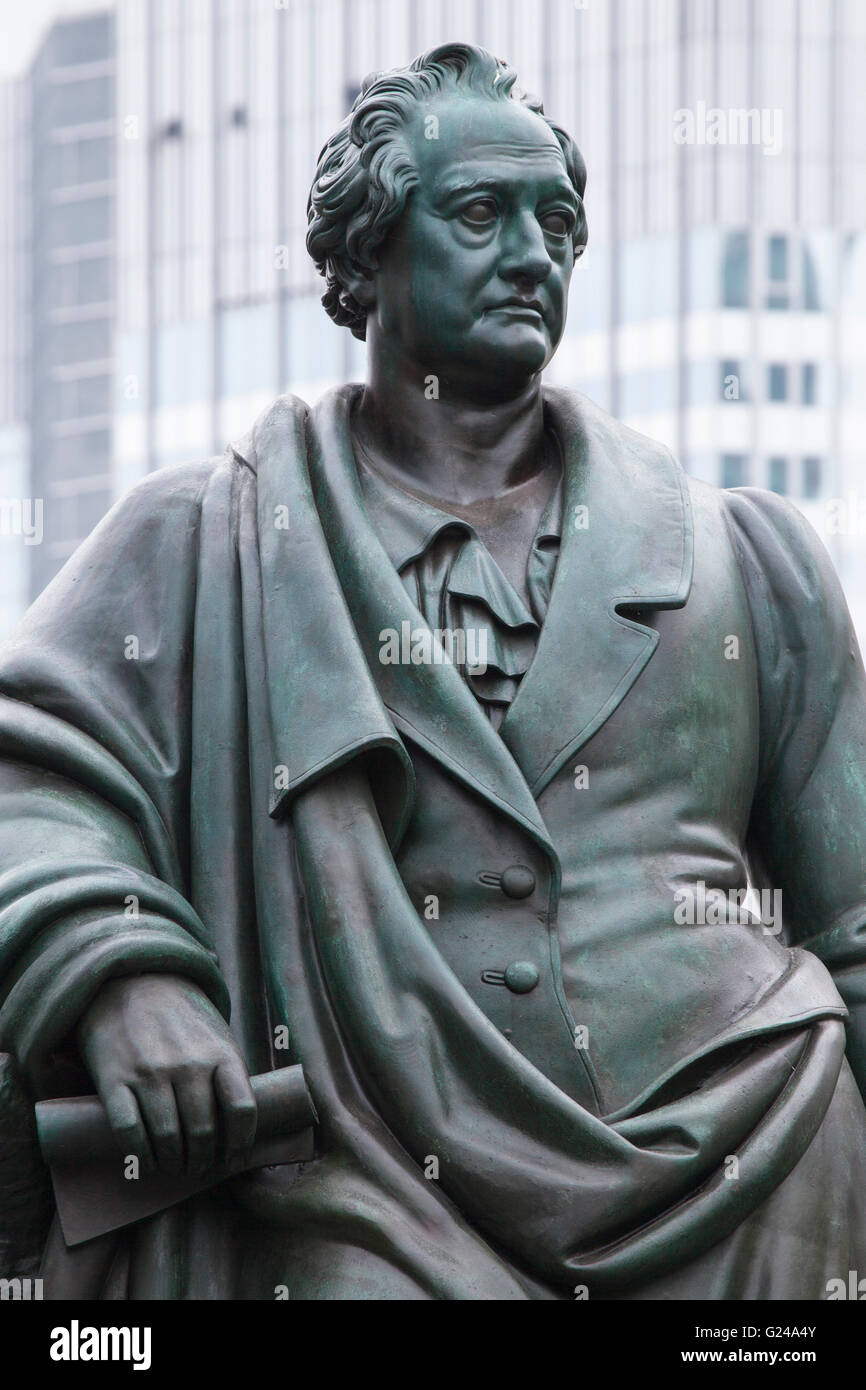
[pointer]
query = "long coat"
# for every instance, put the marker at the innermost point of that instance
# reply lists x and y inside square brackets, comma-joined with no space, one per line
[532,1075]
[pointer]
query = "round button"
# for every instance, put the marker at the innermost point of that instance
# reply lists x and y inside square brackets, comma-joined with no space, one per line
[521,976]
[518,881]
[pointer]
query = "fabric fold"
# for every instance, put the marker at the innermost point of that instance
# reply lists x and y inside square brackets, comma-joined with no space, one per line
[572,1197]
[257,590]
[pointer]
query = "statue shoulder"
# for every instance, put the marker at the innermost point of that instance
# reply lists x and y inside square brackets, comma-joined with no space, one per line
[795,595]
[770,531]
[176,488]
[287,412]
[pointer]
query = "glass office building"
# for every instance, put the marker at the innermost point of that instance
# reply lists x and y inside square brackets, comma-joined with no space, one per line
[70,284]
[721,304]
[18,513]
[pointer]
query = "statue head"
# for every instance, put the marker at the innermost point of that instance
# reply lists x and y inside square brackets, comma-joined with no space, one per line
[446,214]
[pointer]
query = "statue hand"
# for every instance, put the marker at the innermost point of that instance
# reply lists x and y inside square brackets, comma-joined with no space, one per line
[169,1074]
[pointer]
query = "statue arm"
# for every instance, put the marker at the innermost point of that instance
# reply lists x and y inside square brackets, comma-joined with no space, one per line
[808,827]
[94,771]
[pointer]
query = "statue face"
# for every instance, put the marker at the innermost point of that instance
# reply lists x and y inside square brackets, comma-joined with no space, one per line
[473,282]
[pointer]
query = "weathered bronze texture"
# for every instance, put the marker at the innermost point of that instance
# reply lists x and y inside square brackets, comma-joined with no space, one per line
[430,738]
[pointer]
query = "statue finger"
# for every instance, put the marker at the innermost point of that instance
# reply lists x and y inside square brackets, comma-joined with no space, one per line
[128,1127]
[196,1104]
[158,1106]
[238,1106]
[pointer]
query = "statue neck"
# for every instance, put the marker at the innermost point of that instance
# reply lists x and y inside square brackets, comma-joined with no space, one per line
[455,450]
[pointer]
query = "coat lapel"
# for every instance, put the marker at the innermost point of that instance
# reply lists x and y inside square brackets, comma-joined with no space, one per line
[330,694]
[323,705]
[429,703]
[627,541]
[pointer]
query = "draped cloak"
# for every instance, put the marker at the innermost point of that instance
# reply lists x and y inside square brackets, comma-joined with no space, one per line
[214,648]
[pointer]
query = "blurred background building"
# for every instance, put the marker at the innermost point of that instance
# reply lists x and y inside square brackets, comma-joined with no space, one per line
[15,555]
[157,292]
[72,272]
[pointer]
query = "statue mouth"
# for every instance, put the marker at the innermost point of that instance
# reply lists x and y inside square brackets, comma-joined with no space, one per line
[526,306]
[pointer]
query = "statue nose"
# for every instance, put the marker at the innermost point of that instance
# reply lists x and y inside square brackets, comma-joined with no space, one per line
[525,262]
[527,275]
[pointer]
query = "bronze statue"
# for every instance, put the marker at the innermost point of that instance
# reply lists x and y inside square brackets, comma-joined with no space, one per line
[429,741]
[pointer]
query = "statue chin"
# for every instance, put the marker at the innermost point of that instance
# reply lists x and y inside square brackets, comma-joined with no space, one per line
[508,363]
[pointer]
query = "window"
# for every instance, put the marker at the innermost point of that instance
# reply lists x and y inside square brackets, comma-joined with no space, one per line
[778,260]
[81,282]
[64,284]
[812,471]
[93,160]
[79,102]
[93,395]
[72,162]
[731,385]
[778,475]
[79,342]
[94,280]
[82,40]
[705,247]
[60,400]
[735,271]
[809,378]
[734,470]
[76,223]
[797,272]
[811,291]
[82,396]
[777,382]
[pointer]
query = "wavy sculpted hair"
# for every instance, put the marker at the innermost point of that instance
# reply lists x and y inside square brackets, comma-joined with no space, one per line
[365,172]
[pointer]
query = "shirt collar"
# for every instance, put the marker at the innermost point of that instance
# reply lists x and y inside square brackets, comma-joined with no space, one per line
[408,525]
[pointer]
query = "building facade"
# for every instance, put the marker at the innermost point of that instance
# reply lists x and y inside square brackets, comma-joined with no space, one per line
[721,305]
[71,279]
[19,515]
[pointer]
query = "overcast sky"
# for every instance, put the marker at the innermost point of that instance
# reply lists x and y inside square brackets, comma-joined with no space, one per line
[22,24]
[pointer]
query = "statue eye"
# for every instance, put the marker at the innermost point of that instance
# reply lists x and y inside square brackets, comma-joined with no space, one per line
[480,213]
[558,224]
